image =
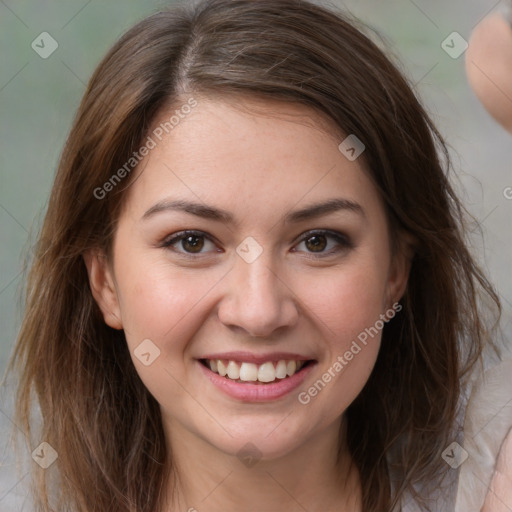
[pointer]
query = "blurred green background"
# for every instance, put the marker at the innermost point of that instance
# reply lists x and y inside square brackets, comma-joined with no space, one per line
[39,97]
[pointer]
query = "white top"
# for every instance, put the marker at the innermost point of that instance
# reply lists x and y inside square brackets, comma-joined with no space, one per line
[488,422]
[474,453]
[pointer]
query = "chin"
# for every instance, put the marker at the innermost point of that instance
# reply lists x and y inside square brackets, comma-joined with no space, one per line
[258,441]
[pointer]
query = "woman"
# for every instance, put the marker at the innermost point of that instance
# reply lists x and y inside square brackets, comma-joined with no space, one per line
[252,290]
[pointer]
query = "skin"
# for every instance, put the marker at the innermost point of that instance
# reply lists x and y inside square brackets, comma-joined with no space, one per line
[259,165]
[489,67]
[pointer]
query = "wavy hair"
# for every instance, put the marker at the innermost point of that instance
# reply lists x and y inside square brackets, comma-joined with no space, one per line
[95,410]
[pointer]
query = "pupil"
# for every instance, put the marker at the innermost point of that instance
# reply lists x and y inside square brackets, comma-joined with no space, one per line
[318,244]
[197,245]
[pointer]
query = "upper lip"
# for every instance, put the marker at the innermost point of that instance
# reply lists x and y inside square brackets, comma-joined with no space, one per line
[249,357]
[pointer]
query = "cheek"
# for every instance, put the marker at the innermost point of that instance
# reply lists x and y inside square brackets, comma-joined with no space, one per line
[347,305]
[168,307]
[346,300]
[159,302]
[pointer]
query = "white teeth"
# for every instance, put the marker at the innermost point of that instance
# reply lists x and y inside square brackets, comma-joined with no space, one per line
[291,366]
[266,372]
[221,368]
[281,370]
[250,372]
[233,370]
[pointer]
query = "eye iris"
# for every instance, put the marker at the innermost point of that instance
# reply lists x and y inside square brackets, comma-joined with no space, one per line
[318,244]
[195,242]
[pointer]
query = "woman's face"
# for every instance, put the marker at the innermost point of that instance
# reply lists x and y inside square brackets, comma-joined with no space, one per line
[268,275]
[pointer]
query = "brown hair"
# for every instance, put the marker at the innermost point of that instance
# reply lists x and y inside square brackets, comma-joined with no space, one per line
[96,412]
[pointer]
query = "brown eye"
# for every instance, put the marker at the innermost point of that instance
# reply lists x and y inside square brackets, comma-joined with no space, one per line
[316,243]
[189,242]
[320,240]
[192,243]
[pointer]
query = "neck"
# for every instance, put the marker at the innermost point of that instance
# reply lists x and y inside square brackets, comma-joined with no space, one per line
[312,477]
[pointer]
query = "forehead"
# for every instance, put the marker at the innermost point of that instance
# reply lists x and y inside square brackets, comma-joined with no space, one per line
[249,152]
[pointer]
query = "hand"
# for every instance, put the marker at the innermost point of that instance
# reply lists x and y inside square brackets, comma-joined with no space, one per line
[489,66]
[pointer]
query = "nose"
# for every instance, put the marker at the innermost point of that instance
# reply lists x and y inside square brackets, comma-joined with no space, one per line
[258,299]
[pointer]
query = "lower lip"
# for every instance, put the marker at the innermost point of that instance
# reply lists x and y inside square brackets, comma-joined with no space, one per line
[257,392]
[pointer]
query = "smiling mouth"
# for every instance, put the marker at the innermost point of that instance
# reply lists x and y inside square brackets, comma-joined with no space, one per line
[251,373]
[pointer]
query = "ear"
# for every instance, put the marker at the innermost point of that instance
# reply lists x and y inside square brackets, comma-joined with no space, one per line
[400,267]
[103,287]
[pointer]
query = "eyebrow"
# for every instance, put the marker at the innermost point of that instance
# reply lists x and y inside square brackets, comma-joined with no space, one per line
[217,214]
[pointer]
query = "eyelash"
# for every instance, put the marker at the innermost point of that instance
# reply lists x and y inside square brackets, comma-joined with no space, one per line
[340,238]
